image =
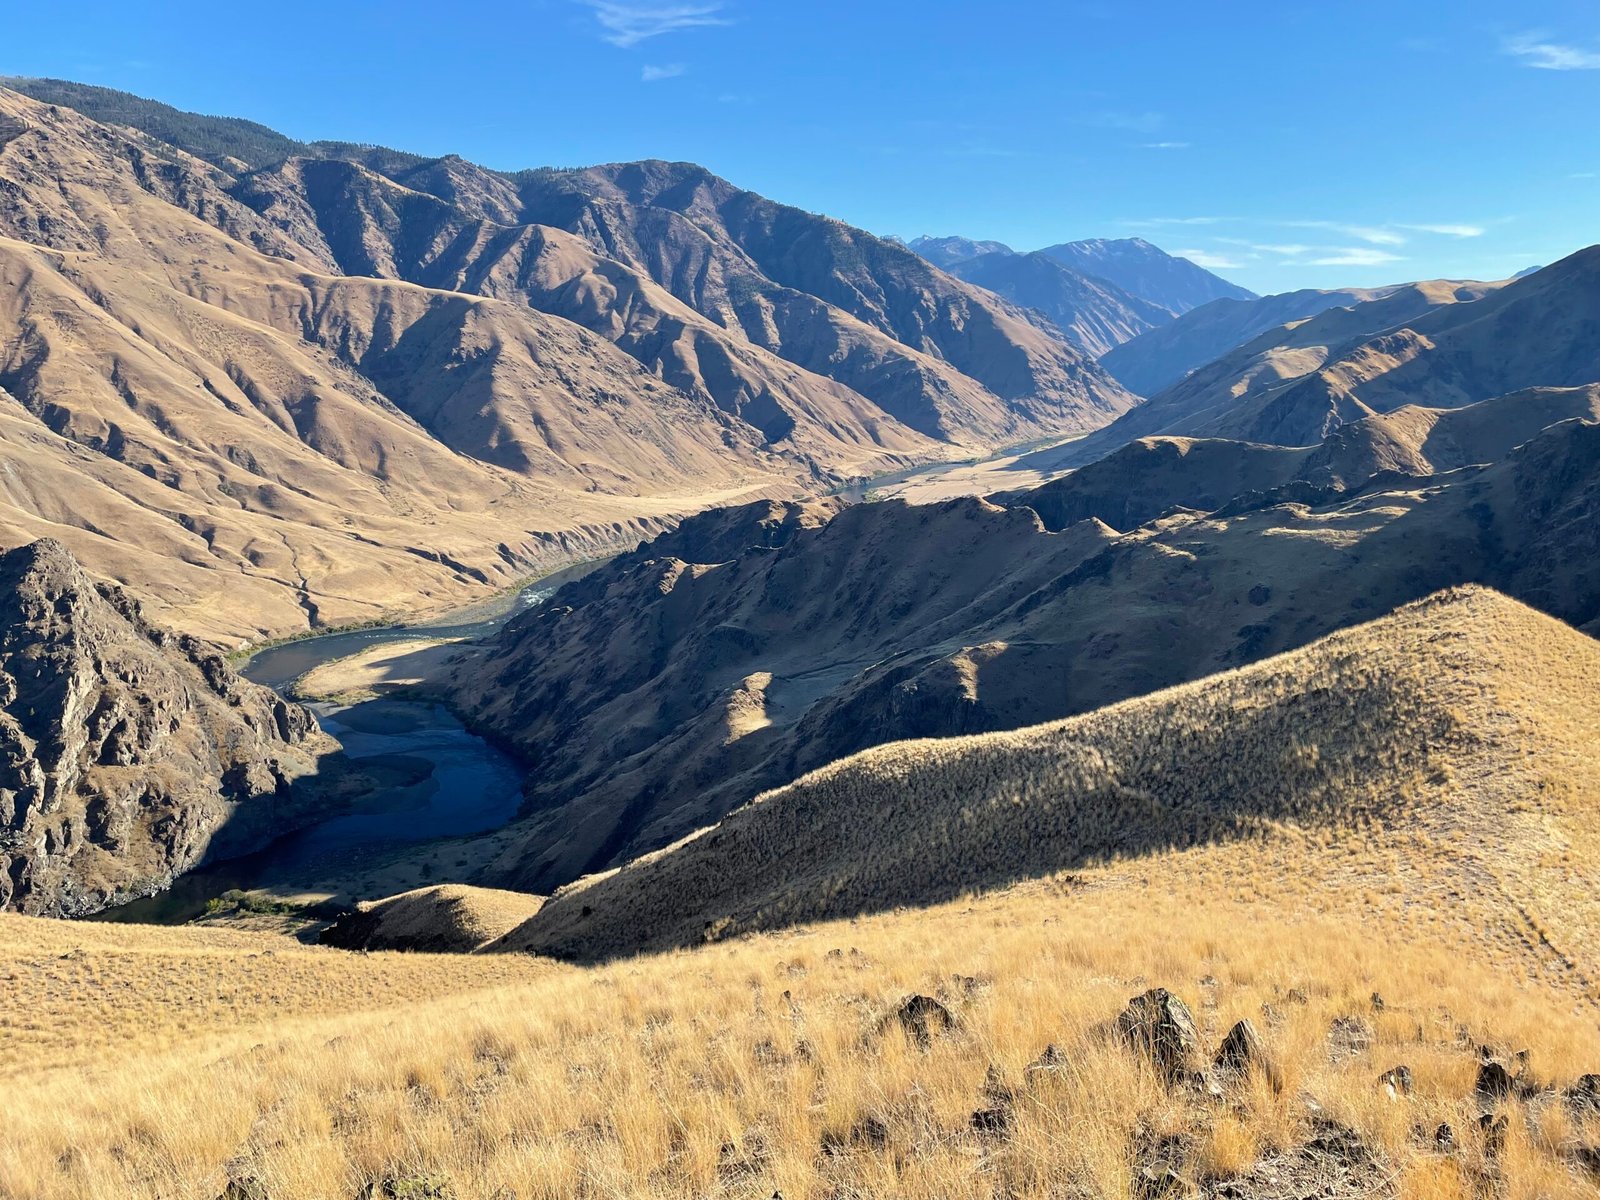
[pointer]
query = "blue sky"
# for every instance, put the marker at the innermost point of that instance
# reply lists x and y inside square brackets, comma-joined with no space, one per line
[1284,144]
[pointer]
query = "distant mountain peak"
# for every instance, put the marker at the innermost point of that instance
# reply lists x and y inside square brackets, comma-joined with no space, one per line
[946,252]
[1147,271]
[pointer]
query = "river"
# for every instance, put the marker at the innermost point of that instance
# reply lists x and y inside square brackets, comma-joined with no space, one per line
[446,782]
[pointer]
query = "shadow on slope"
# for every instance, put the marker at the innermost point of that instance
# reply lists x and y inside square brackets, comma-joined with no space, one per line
[1372,728]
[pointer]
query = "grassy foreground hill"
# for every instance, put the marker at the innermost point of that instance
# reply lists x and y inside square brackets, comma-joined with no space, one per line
[1410,734]
[1396,873]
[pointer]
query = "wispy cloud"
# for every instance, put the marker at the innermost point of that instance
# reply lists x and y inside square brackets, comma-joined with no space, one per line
[1584,175]
[1536,49]
[1164,145]
[1208,259]
[1365,233]
[1460,231]
[1285,249]
[1355,256]
[656,74]
[629,24]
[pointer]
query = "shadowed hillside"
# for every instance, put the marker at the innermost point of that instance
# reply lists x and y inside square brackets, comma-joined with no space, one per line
[665,693]
[1414,725]
[1368,909]
[1159,358]
[1094,315]
[1152,476]
[1136,266]
[1438,344]
[129,754]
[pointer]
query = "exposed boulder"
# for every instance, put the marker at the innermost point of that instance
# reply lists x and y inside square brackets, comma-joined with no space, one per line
[1243,1051]
[1494,1081]
[923,1017]
[1160,1026]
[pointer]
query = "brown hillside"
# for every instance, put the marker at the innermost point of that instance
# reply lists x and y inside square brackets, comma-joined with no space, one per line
[1152,476]
[1229,396]
[1093,314]
[207,426]
[667,693]
[444,919]
[1416,727]
[266,400]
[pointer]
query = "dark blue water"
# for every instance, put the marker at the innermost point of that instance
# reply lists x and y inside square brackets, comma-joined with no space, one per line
[448,782]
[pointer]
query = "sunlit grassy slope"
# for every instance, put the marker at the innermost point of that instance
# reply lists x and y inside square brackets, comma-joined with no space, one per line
[1442,757]
[1405,884]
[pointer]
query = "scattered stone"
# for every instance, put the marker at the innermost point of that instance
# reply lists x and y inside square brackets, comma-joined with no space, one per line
[1444,1138]
[1350,1036]
[1584,1096]
[1271,1015]
[1154,1183]
[408,1187]
[1396,1081]
[967,985]
[767,1053]
[1335,1164]
[1241,1050]
[1494,1133]
[1049,1061]
[922,1017]
[1160,1026]
[995,1088]
[1157,1163]
[993,1122]
[735,1162]
[995,1119]
[869,1133]
[1587,1157]
[1296,996]
[1494,1081]
[247,1188]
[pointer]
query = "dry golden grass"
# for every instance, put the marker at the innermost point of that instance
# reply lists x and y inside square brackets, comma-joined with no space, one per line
[82,993]
[1437,764]
[447,918]
[1359,929]
[762,1064]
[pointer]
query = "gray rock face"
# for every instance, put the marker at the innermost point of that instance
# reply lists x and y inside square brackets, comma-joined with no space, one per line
[126,754]
[1160,1026]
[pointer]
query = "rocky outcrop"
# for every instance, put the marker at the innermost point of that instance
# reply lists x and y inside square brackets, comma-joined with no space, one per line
[666,692]
[127,754]
[1160,1026]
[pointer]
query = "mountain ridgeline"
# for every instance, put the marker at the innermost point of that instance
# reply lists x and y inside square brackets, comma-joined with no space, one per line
[373,381]
[1099,293]
[664,691]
